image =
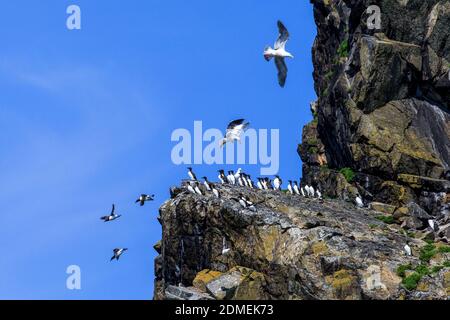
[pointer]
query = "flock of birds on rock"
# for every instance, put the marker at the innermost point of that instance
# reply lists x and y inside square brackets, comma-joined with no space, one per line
[143,198]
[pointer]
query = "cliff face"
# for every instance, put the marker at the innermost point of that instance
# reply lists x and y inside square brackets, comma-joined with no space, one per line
[384,99]
[381,129]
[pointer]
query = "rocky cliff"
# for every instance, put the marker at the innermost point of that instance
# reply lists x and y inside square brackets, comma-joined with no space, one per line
[380,130]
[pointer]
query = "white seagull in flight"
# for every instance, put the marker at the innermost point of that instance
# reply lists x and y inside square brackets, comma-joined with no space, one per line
[234,131]
[279,53]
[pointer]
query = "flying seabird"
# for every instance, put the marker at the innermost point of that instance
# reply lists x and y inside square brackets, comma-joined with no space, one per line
[289,187]
[192,174]
[206,184]
[145,197]
[112,216]
[222,177]
[277,182]
[279,53]
[117,253]
[234,132]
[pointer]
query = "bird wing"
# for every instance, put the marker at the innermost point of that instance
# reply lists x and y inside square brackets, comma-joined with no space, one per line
[282,70]
[113,209]
[236,129]
[116,250]
[283,36]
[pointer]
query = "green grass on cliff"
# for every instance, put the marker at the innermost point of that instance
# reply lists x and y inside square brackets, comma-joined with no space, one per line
[343,49]
[349,174]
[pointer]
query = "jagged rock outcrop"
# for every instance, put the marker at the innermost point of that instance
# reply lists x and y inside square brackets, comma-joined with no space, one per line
[381,130]
[291,248]
[383,106]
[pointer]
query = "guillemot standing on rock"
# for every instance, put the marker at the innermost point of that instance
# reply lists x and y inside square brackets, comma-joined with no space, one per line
[197,189]
[433,225]
[231,179]
[143,198]
[222,177]
[289,187]
[296,188]
[408,250]
[112,216]
[359,202]
[206,184]
[117,253]
[191,189]
[225,249]
[279,53]
[259,184]
[215,192]
[277,182]
[192,174]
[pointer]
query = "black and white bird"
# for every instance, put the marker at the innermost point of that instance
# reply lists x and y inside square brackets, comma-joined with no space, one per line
[259,184]
[215,192]
[407,249]
[225,249]
[296,188]
[191,189]
[249,181]
[112,216]
[191,174]
[144,198]
[318,194]
[117,253]
[433,225]
[277,182]
[289,187]
[197,189]
[312,192]
[234,131]
[222,177]
[302,191]
[359,202]
[230,177]
[279,53]
[206,184]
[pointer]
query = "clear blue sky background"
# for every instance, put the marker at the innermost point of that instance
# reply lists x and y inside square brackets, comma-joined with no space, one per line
[86,118]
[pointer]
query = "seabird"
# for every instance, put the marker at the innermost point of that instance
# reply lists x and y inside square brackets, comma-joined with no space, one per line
[433,225]
[222,177]
[359,202]
[312,192]
[289,187]
[319,194]
[296,188]
[145,197]
[231,179]
[117,253]
[240,181]
[238,173]
[279,53]
[277,182]
[191,189]
[249,181]
[302,191]
[216,192]
[225,250]
[408,250]
[197,189]
[112,216]
[192,174]
[206,184]
[234,132]
[259,184]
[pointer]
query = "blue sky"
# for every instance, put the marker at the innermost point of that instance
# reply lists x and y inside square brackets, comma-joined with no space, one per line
[86,118]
